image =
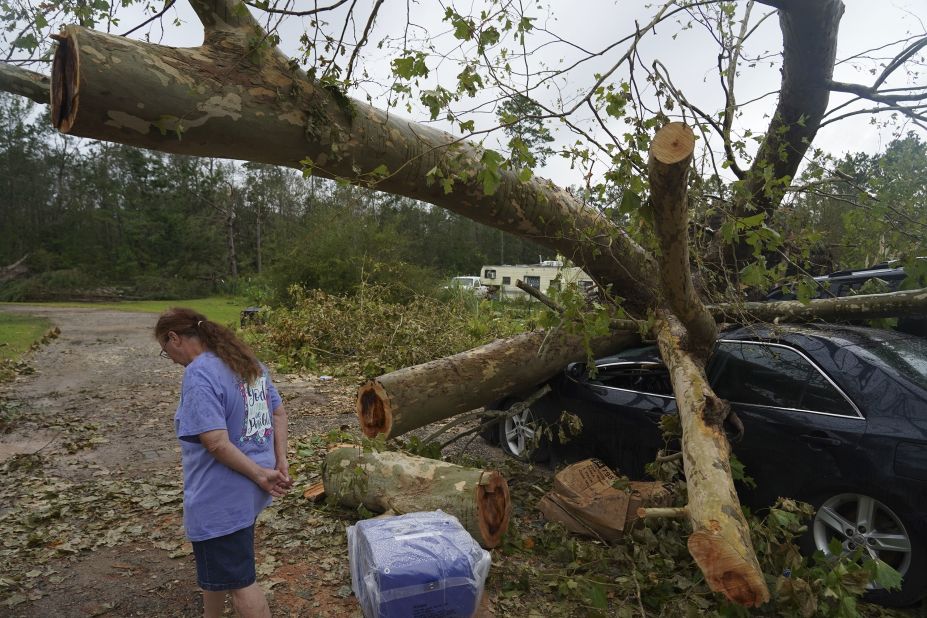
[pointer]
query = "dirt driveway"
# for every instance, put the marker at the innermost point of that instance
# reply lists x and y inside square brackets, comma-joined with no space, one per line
[90,504]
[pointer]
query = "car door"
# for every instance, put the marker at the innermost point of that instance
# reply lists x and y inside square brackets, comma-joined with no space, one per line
[620,407]
[801,430]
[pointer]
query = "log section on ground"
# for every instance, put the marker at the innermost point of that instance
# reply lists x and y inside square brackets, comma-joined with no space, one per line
[391,481]
[413,397]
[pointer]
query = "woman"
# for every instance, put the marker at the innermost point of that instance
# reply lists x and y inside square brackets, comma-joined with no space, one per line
[232,431]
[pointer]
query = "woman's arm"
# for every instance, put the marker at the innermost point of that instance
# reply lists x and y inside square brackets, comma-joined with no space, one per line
[281,435]
[274,482]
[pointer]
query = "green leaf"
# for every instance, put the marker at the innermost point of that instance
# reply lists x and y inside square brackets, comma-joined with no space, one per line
[630,202]
[490,173]
[27,41]
[596,596]
[885,575]
[489,36]
[410,66]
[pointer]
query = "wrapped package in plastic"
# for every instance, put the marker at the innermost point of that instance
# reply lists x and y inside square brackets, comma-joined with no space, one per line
[416,565]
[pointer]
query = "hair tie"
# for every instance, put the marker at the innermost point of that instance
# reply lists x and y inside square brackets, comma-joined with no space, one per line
[198,323]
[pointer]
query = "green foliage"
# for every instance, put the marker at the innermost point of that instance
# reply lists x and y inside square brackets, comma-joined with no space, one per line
[369,333]
[651,573]
[528,136]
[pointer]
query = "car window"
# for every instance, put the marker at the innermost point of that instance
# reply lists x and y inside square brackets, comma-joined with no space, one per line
[907,355]
[773,375]
[651,378]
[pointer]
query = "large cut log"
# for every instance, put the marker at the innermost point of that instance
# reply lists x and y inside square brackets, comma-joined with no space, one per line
[391,481]
[668,169]
[191,100]
[413,397]
[720,539]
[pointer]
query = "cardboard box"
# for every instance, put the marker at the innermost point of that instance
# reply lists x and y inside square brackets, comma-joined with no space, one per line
[585,500]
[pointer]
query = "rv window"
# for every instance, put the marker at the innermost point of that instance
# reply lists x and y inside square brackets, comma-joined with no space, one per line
[534,282]
[489,274]
[506,281]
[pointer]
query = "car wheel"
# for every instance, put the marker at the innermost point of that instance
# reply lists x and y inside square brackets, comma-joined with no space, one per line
[860,521]
[519,437]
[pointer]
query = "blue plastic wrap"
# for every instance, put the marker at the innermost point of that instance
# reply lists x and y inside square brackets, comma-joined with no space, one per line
[418,565]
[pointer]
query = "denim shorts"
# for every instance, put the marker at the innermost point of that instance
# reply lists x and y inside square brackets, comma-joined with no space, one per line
[226,562]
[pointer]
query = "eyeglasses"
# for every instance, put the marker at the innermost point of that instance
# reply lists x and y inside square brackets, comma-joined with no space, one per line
[163,354]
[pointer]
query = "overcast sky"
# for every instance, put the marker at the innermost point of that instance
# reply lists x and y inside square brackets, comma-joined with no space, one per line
[690,55]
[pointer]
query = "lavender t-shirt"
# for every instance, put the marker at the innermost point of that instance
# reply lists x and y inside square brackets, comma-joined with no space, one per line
[216,499]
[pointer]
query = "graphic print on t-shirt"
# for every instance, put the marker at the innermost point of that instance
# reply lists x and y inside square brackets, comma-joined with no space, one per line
[257,413]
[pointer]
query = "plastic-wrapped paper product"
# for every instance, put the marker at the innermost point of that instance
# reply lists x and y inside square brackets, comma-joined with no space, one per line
[417,565]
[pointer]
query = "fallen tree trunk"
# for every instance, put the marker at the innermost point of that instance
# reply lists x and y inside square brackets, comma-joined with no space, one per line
[190,100]
[720,539]
[413,397]
[391,481]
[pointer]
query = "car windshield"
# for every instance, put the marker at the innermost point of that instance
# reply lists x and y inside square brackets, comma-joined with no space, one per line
[907,355]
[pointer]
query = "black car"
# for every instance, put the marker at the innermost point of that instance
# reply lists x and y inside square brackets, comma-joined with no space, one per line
[833,415]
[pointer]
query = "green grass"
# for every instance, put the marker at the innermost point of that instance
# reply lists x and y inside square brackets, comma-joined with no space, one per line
[18,332]
[218,309]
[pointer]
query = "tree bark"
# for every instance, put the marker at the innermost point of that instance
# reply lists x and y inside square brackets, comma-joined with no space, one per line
[809,44]
[403,483]
[720,540]
[670,157]
[413,397]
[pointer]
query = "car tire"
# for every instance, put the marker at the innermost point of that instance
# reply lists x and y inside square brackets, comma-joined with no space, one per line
[518,435]
[859,520]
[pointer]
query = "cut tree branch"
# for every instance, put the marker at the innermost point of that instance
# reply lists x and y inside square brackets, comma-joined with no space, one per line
[413,397]
[22,82]
[670,159]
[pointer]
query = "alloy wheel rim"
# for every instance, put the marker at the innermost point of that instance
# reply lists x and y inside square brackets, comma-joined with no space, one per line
[860,522]
[519,432]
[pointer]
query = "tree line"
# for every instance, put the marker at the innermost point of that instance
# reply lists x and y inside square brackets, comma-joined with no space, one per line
[98,219]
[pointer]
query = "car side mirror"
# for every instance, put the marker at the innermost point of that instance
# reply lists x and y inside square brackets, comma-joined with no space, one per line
[576,370]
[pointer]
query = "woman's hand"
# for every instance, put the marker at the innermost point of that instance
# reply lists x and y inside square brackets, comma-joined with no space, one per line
[274,482]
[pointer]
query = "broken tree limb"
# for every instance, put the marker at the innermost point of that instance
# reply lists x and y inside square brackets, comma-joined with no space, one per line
[662,511]
[388,480]
[668,168]
[862,307]
[25,83]
[413,397]
[538,294]
[14,270]
[720,539]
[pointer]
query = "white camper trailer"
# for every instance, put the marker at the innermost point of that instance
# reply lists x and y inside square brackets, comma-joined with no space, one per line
[500,280]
